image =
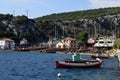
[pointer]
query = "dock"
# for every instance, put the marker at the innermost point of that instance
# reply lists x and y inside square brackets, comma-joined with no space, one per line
[46,49]
[30,48]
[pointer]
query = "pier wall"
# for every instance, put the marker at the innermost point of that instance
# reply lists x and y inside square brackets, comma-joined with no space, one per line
[118,60]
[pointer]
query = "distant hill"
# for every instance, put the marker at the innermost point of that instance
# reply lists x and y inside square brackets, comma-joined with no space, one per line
[85,14]
[97,22]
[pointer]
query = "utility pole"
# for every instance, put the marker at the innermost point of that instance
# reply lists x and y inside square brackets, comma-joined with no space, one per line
[27,13]
[74,32]
[13,20]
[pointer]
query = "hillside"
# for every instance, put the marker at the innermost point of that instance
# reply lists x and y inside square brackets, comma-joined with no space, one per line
[85,14]
[97,22]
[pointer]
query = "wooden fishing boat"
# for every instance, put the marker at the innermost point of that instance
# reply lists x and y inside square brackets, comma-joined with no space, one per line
[99,56]
[79,64]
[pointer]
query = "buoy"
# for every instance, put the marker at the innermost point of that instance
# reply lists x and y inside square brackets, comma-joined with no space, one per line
[59,75]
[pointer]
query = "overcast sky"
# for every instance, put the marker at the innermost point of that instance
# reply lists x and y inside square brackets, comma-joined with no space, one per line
[38,8]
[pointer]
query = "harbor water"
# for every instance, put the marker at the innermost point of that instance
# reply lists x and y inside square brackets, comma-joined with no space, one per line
[39,66]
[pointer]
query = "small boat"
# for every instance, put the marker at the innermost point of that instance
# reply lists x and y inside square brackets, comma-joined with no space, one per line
[99,56]
[79,64]
[104,42]
[91,41]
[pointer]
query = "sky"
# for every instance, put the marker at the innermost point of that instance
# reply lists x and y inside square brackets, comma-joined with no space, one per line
[39,8]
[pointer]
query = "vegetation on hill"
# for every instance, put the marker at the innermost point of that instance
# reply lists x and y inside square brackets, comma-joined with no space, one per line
[97,22]
[85,14]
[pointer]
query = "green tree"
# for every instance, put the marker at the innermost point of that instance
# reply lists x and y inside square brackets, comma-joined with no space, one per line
[117,44]
[82,36]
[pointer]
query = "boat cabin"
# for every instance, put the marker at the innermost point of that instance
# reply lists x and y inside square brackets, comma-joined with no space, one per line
[104,42]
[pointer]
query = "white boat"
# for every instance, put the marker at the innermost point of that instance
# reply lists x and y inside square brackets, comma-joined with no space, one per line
[104,42]
[91,41]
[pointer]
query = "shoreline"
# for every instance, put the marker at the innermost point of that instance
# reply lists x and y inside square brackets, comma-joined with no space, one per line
[81,53]
[55,50]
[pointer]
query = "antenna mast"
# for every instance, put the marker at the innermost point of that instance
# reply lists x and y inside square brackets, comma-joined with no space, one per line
[27,13]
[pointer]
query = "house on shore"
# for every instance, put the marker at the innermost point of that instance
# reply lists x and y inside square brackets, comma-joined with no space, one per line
[70,42]
[7,43]
[61,44]
[24,43]
[67,43]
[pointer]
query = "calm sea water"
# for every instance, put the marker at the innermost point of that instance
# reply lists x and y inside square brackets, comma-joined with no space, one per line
[38,66]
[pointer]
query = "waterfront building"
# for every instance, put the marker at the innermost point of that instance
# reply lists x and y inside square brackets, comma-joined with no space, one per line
[60,45]
[7,43]
[24,43]
[70,42]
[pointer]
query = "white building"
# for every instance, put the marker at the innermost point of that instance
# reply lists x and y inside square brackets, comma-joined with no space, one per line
[67,43]
[60,45]
[7,43]
[24,43]
[70,42]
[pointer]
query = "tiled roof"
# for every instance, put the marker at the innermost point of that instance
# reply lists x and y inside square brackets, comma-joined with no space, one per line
[7,39]
[69,38]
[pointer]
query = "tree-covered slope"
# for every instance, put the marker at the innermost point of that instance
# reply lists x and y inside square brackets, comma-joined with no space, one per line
[85,14]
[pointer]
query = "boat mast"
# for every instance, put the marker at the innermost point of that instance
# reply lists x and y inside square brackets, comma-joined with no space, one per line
[75,39]
[63,32]
[55,32]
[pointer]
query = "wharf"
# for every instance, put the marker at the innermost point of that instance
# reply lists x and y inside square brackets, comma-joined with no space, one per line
[31,48]
[54,50]
[45,49]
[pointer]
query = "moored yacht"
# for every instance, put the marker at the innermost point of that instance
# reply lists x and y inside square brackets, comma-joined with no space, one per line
[104,42]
